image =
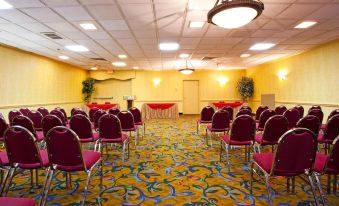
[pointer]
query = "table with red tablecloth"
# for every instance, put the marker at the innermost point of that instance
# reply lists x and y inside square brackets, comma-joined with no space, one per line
[160,111]
[221,104]
[103,106]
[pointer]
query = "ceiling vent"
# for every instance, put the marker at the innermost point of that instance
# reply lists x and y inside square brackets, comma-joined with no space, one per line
[99,59]
[51,35]
[208,58]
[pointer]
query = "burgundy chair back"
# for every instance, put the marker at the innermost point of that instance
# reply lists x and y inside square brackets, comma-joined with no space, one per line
[245,107]
[60,115]
[318,113]
[24,111]
[280,110]
[136,114]
[292,116]
[12,114]
[314,107]
[295,153]
[259,111]
[24,122]
[221,120]
[43,111]
[332,128]
[265,115]
[206,114]
[114,111]
[110,127]
[126,120]
[3,127]
[21,147]
[230,111]
[81,125]
[63,111]
[50,121]
[64,149]
[334,112]
[332,165]
[244,112]
[300,110]
[243,129]
[310,122]
[79,111]
[97,116]
[36,118]
[74,109]
[91,113]
[274,128]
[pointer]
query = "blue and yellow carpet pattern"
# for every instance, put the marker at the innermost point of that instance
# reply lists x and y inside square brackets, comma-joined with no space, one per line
[171,166]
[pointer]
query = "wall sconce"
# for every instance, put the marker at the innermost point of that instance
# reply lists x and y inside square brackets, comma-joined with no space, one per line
[282,75]
[222,81]
[156,82]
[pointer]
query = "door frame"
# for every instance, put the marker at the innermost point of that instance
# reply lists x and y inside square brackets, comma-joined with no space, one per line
[183,94]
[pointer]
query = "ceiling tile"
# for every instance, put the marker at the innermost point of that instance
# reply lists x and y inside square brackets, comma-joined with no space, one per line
[43,14]
[112,25]
[73,13]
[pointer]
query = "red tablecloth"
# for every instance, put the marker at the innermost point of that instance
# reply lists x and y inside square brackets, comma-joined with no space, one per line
[160,105]
[220,105]
[102,106]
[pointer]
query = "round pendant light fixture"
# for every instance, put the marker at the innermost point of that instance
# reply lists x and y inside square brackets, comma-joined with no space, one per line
[230,14]
[187,69]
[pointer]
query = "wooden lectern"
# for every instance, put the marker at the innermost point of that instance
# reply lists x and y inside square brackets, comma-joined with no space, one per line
[129,99]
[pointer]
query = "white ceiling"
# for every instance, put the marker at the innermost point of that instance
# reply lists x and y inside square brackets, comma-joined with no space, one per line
[135,27]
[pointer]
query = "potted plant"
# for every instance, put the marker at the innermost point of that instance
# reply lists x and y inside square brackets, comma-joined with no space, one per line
[88,89]
[245,88]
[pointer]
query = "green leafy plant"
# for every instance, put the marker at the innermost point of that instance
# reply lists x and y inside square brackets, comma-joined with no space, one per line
[245,88]
[88,89]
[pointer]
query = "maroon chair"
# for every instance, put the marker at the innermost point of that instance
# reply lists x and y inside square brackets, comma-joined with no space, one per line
[244,112]
[220,123]
[48,122]
[23,152]
[91,113]
[230,111]
[327,164]
[310,122]
[274,128]
[16,201]
[280,110]
[12,114]
[75,109]
[318,113]
[138,121]
[60,115]
[334,112]
[63,111]
[300,110]
[259,111]
[25,122]
[127,124]
[65,154]
[24,111]
[43,111]
[206,115]
[36,118]
[294,156]
[110,132]
[114,111]
[314,107]
[265,115]
[242,134]
[245,107]
[3,128]
[292,116]
[82,112]
[97,116]
[81,125]
[330,133]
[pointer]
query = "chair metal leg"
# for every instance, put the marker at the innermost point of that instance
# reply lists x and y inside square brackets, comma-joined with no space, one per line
[322,196]
[123,151]
[227,156]
[101,171]
[37,177]
[32,178]
[313,189]
[220,151]
[206,138]
[86,186]
[3,183]
[328,184]
[334,184]
[48,186]
[268,188]
[293,185]
[251,180]
[44,187]
[211,139]
[197,127]
[11,175]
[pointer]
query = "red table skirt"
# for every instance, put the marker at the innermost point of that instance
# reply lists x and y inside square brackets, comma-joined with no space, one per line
[160,105]
[102,106]
[220,105]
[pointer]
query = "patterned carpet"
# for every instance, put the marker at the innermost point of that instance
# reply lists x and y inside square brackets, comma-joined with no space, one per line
[170,166]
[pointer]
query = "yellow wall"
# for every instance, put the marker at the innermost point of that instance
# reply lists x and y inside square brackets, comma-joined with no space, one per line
[311,78]
[29,80]
[170,88]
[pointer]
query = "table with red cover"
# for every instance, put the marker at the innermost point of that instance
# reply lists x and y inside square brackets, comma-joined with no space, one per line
[220,105]
[103,106]
[159,111]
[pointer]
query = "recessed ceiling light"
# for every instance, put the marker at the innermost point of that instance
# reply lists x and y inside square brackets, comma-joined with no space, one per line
[244,55]
[119,64]
[305,24]
[184,56]
[122,56]
[94,68]
[262,46]
[88,26]
[63,57]
[135,67]
[5,5]
[77,48]
[168,46]
[196,24]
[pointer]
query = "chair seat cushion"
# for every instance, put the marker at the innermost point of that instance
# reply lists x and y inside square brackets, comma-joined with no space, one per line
[4,159]
[322,140]
[16,201]
[44,159]
[89,157]
[264,160]
[323,126]
[115,140]
[142,122]
[227,139]
[210,128]
[39,136]
[93,139]
[320,162]
[259,139]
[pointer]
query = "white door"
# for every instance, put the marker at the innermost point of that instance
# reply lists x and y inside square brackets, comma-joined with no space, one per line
[191,97]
